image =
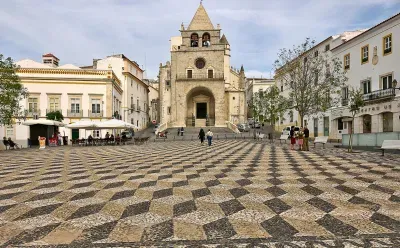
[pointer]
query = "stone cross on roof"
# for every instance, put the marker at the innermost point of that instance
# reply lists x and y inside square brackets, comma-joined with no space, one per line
[201,21]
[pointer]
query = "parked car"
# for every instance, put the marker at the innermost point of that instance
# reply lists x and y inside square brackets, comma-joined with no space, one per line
[286,130]
[257,125]
[243,127]
[156,127]
[127,133]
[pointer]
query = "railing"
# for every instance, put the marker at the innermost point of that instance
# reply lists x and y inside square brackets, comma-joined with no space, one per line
[379,94]
[345,102]
[74,113]
[232,127]
[53,110]
[203,76]
[95,113]
[33,112]
[133,107]
[138,109]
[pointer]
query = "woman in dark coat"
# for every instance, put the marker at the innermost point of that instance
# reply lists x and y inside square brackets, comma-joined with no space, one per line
[202,134]
[292,138]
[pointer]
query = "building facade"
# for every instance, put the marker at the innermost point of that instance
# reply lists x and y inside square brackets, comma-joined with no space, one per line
[199,87]
[79,94]
[370,61]
[154,100]
[135,102]
[254,85]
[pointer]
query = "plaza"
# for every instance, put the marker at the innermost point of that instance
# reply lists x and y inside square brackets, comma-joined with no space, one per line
[236,193]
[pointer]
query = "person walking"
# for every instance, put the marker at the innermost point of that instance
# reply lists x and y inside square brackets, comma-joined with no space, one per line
[182,131]
[202,134]
[300,138]
[306,136]
[179,131]
[59,139]
[292,138]
[209,137]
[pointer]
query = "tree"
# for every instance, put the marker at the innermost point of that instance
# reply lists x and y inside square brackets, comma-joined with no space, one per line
[356,101]
[312,77]
[11,92]
[55,116]
[270,104]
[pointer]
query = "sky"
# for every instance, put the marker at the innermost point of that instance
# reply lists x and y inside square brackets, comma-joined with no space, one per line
[77,31]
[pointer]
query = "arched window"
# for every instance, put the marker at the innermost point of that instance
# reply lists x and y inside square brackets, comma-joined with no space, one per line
[194,40]
[206,40]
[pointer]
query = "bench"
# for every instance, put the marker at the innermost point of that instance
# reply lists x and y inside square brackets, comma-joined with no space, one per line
[390,145]
[283,137]
[323,140]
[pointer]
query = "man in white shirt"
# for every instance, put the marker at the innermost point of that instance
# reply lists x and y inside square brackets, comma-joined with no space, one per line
[209,135]
[59,139]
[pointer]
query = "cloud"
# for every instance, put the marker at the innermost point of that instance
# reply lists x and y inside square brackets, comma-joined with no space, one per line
[78,31]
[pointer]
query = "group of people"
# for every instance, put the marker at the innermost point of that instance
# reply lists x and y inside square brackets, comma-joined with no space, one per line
[209,136]
[300,138]
[9,142]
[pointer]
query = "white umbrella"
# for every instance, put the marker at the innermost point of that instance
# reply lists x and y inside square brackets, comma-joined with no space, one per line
[115,124]
[83,125]
[43,122]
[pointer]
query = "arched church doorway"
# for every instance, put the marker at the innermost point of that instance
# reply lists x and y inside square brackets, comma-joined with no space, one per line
[200,107]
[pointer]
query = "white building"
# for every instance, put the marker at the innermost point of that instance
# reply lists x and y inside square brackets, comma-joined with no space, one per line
[77,93]
[154,100]
[372,63]
[254,85]
[370,59]
[292,118]
[135,103]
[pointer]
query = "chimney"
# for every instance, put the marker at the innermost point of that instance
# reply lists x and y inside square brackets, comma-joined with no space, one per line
[50,59]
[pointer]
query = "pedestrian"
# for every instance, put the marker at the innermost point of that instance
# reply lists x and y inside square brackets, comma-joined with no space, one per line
[306,136]
[300,138]
[179,131]
[182,131]
[59,139]
[202,135]
[292,138]
[209,137]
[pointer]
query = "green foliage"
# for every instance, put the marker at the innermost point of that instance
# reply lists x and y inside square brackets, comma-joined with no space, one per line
[313,80]
[356,102]
[269,104]
[55,116]
[11,92]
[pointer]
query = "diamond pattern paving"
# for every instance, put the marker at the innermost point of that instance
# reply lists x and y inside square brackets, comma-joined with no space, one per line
[235,193]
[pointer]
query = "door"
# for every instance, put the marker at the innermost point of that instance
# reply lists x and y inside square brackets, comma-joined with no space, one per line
[75,134]
[316,127]
[201,110]
[326,126]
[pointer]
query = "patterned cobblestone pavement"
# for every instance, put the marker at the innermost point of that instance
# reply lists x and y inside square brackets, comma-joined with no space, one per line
[182,194]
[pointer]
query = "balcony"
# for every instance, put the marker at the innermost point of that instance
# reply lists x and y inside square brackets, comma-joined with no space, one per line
[199,76]
[95,114]
[74,113]
[53,110]
[345,102]
[379,95]
[138,109]
[133,107]
[33,113]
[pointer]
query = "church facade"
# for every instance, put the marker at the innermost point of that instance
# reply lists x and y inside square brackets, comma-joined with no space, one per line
[199,87]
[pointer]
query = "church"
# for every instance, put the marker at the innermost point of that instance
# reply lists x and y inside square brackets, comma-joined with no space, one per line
[198,87]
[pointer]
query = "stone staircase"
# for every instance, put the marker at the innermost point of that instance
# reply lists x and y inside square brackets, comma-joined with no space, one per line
[195,130]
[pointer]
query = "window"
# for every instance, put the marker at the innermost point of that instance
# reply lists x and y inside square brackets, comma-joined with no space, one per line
[169,110]
[75,105]
[281,88]
[210,73]
[291,84]
[366,85]
[194,40]
[167,83]
[387,81]
[316,53]
[347,61]
[340,124]
[10,131]
[189,74]
[54,103]
[206,40]
[96,106]
[364,54]
[131,82]
[200,63]
[33,104]
[96,133]
[132,121]
[316,78]
[345,93]
[387,44]
[327,48]
[233,98]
